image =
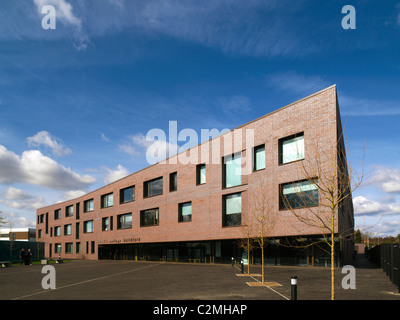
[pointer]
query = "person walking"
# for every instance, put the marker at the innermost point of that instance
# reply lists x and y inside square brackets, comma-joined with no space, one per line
[29,254]
[22,256]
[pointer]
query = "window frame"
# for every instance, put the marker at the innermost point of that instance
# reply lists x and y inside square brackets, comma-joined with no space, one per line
[156,219]
[85,224]
[105,226]
[173,181]
[57,214]
[232,157]
[122,194]
[284,207]
[123,226]
[106,197]
[148,183]
[224,214]
[66,227]
[85,207]
[67,211]
[199,167]
[180,215]
[261,146]
[280,146]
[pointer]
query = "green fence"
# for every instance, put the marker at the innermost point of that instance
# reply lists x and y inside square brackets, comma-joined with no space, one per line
[387,256]
[9,250]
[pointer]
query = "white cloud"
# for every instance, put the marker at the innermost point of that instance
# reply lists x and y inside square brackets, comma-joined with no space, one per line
[388,179]
[234,104]
[296,83]
[16,194]
[64,11]
[367,207]
[115,174]
[25,222]
[354,106]
[73,194]
[46,139]
[34,168]
[104,138]
[65,14]
[364,206]
[19,199]
[155,149]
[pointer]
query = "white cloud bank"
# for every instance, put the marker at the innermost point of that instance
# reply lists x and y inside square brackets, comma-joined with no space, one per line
[45,138]
[116,174]
[33,167]
[19,199]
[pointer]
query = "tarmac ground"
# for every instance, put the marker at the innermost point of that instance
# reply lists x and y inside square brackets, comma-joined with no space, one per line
[129,280]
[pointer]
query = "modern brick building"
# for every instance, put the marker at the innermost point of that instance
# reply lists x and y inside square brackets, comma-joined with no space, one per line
[195,211]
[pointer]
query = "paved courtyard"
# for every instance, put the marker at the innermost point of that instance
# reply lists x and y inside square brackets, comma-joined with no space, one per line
[129,280]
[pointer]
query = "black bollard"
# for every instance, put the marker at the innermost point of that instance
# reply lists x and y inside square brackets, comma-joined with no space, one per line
[242,266]
[233,261]
[293,282]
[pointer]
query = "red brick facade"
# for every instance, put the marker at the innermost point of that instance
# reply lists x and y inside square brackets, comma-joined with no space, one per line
[317,116]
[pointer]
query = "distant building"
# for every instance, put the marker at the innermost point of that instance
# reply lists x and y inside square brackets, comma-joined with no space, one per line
[12,240]
[18,234]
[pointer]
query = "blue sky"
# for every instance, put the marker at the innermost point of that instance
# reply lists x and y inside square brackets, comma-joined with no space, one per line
[77,101]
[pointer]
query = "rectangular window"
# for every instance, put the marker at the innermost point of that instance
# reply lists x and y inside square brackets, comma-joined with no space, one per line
[291,148]
[107,200]
[127,194]
[42,218]
[88,205]
[77,210]
[201,174]
[124,221]
[40,233]
[104,224]
[185,212]
[57,231]
[298,194]
[173,181]
[57,248]
[232,166]
[57,214]
[69,211]
[68,247]
[153,187]
[259,157]
[67,229]
[149,217]
[78,247]
[88,226]
[232,210]
[92,247]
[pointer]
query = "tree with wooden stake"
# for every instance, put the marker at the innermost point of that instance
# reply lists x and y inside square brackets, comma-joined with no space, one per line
[324,193]
[247,243]
[264,217]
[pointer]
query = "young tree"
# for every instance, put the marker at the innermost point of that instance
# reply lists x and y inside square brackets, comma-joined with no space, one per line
[2,219]
[263,217]
[247,243]
[324,193]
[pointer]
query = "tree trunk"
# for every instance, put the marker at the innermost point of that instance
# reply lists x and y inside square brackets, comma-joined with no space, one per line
[332,267]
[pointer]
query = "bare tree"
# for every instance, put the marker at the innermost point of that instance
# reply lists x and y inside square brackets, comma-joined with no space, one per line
[247,243]
[263,215]
[2,220]
[324,193]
